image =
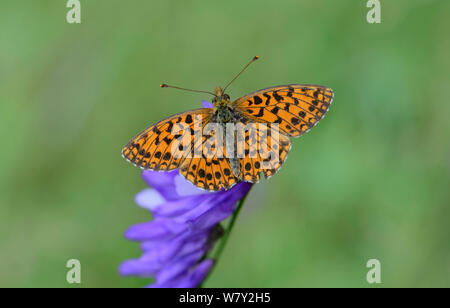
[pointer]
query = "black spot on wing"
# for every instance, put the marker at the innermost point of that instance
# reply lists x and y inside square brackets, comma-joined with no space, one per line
[277,97]
[275,110]
[257,100]
[268,97]
[169,128]
[260,113]
[290,91]
[201,173]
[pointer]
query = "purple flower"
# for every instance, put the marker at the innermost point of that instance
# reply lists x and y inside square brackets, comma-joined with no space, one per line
[185,227]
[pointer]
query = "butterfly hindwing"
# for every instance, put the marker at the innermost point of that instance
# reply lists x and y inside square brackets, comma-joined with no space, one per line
[209,168]
[208,173]
[296,107]
[265,150]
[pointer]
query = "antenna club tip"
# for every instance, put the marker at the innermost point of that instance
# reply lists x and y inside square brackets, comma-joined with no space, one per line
[256,58]
[163,85]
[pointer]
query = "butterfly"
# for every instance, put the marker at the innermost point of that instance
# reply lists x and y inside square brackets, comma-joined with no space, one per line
[291,110]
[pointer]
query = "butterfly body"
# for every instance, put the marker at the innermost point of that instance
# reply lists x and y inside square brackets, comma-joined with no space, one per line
[224,113]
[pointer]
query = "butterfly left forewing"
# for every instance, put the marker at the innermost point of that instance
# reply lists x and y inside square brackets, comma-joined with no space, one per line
[157,148]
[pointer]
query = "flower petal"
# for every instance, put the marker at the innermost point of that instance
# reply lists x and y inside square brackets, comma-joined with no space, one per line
[137,268]
[178,267]
[215,209]
[207,104]
[149,199]
[198,275]
[178,207]
[158,228]
[185,188]
[190,280]
[163,182]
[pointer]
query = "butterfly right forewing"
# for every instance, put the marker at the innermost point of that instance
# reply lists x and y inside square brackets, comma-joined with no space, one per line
[296,108]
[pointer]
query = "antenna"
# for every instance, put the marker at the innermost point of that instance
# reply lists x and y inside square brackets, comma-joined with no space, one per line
[245,67]
[163,85]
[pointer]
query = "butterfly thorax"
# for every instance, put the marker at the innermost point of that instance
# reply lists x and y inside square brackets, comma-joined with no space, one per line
[222,115]
[223,112]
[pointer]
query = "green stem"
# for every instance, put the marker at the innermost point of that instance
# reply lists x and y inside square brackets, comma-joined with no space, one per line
[224,240]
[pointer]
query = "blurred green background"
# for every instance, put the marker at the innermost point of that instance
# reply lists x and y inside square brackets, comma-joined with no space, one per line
[371,181]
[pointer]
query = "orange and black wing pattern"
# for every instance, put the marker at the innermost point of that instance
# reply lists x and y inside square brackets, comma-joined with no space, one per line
[163,146]
[209,167]
[296,108]
[265,150]
[210,173]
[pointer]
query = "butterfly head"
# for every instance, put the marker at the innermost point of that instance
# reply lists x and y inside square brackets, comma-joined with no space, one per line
[220,98]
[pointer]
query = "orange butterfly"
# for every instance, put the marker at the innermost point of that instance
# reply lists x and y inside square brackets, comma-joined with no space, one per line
[210,159]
